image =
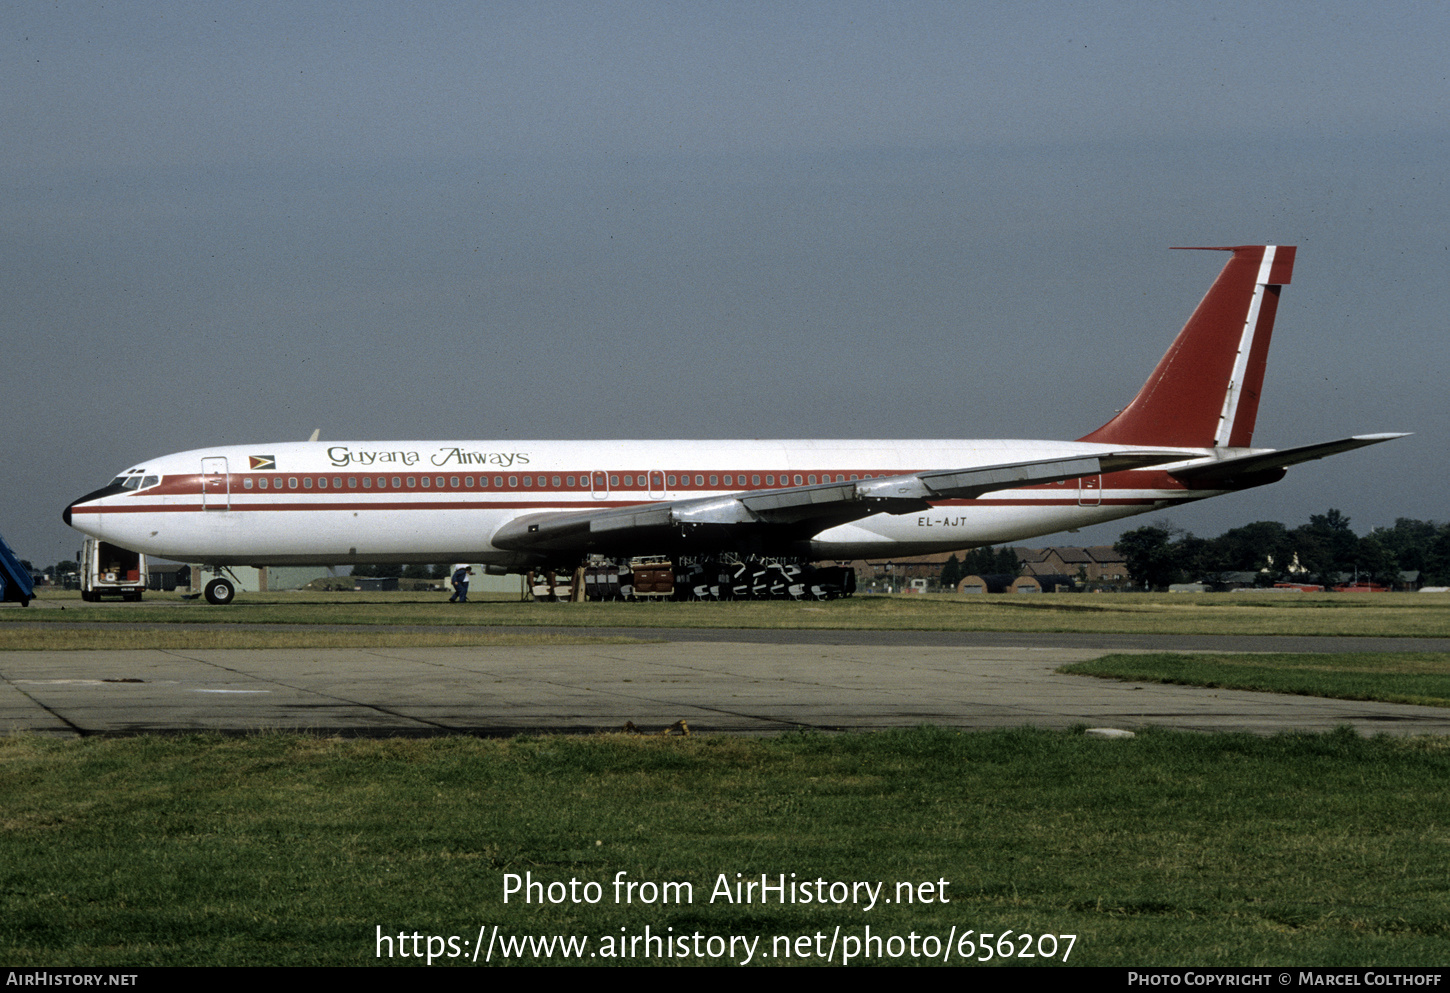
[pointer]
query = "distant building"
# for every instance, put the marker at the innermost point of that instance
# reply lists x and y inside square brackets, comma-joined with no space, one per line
[999,583]
[1098,563]
[899,572]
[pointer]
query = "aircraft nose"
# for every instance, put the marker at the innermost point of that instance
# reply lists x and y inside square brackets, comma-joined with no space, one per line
[104,491]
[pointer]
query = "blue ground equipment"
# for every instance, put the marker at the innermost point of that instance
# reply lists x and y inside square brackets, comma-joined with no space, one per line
[15,581]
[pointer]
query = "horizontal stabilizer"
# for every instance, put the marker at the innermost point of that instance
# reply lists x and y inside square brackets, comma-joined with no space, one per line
[1227,470]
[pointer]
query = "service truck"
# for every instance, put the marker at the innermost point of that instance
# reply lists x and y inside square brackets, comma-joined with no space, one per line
[110,570]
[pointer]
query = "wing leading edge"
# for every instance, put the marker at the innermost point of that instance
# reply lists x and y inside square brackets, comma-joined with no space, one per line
[796,513]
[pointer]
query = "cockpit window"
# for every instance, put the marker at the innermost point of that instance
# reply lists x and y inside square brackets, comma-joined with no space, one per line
[137,481]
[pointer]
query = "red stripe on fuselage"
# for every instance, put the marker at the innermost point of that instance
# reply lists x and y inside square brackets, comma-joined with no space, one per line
[197,508]
[477,498]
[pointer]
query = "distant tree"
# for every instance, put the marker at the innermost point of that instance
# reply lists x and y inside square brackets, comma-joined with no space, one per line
[1007,561]
[1326,546]
[1263,547]
[1437,559]
[951,573]
[978,562]
[989,561]
[418,571]
[1150,556]
[1374,562]
[1420,546]
[1191,555]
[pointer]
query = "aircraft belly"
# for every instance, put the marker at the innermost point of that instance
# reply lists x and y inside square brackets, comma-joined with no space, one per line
[948,527]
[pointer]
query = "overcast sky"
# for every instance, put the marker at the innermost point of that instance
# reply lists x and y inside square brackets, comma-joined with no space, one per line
[234,223]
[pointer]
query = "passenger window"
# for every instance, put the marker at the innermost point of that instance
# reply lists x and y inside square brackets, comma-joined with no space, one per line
[322,482]
[513,481]
[427,482]
[247,483]
[397,483]
[452,481]
[307,482]
[367,482]
[352,482]
[498,481]
[291,482]
[262,483]
[754,480]
[337,482]
[671,481]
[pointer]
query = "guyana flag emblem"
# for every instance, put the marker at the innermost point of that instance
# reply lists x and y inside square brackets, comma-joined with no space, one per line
[263,461]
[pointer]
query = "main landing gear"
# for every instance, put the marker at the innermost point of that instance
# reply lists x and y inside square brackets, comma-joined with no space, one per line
[220,591]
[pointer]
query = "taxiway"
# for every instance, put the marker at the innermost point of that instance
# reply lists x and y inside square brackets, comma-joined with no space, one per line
[828,681]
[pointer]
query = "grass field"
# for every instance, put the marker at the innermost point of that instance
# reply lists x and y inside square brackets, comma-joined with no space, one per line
[1335,614]
[1391,677]
[1164,849]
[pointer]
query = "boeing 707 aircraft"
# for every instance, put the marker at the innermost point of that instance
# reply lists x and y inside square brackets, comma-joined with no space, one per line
[520,505]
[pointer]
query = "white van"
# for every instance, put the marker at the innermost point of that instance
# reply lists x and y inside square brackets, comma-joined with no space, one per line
[110,570]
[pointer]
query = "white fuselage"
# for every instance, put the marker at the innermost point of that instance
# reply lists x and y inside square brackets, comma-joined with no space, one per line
[335,503]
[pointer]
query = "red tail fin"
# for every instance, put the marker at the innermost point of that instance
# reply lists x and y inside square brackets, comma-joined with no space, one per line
[1205,391]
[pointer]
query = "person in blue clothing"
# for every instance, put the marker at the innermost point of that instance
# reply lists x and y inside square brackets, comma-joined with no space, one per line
[460,585]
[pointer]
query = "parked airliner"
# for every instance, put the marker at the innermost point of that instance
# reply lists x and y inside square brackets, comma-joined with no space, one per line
[519,505]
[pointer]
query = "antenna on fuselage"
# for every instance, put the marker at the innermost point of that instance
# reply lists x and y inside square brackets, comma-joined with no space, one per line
[315,433]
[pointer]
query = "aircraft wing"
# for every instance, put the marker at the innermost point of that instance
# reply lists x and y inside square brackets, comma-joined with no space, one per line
[800,510]
[1226,471]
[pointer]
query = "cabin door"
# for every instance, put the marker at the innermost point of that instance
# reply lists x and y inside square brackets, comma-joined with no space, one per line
[216,484]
